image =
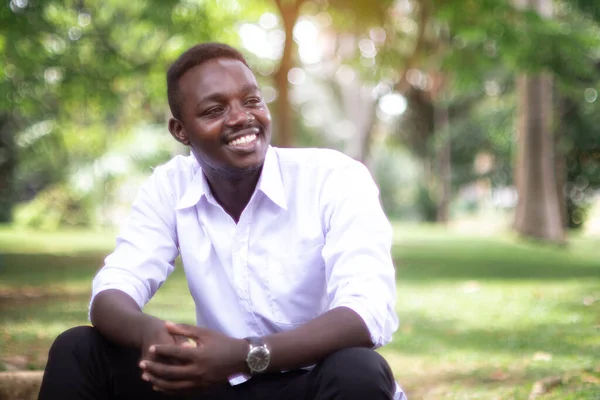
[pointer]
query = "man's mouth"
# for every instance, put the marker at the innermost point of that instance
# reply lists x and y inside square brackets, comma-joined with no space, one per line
[244,140]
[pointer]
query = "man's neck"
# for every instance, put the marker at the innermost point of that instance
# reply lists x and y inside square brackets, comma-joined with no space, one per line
[232,193]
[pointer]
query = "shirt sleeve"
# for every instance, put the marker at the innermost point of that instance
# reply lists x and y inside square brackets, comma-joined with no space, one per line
[357,251]
[146,247]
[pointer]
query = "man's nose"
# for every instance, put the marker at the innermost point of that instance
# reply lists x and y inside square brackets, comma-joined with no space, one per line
[237,116]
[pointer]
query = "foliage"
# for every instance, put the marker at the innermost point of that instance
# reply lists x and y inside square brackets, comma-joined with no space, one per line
[395,170]
[477,48]
[580,141]
[80,77]
[425,203]
[486,129]
[56,206]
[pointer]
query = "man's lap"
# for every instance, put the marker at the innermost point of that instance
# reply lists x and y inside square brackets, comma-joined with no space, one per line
[116,368]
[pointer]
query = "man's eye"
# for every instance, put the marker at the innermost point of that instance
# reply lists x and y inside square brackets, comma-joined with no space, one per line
[253,101]
[213,111]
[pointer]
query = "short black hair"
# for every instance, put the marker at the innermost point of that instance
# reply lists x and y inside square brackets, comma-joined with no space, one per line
[193,57]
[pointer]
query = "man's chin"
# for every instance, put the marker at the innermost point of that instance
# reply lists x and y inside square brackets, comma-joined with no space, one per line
[232,168]
[238,173]
[241,167]
[244,164]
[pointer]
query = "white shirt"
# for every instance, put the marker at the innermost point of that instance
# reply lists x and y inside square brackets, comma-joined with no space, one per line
[313,237]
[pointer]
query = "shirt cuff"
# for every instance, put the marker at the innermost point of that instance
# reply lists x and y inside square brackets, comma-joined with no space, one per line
[127,289]
[238,379]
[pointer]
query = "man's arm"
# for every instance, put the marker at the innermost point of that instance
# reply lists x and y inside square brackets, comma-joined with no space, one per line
[217,357]
[360,276]
[142,260]
[118,317]
[306,345]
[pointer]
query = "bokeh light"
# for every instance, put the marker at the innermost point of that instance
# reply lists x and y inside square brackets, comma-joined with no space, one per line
[393,104]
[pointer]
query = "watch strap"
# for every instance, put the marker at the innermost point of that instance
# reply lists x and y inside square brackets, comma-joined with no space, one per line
[255,341]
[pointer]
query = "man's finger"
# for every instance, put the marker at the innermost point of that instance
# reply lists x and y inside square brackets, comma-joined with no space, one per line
[152,356]
[166,371]
[178,352]
[172,387]
[182,329]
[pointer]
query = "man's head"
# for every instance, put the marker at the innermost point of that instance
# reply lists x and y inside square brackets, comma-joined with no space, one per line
[218,110]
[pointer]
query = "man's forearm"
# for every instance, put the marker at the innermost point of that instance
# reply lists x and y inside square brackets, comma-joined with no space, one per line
[336,329]
[118,317]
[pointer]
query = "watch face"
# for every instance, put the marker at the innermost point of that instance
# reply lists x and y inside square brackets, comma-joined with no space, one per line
[258,359]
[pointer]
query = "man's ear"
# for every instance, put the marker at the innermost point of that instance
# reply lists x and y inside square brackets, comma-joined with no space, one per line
[178,132]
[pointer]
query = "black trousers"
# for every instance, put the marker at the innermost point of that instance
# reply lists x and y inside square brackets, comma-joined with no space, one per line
[82,364]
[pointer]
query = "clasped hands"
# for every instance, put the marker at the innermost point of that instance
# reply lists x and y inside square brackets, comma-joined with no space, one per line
[174,364]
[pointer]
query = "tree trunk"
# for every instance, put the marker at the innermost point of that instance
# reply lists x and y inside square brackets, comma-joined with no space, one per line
[538,214]
[7,167]
[365,135]
[442,150]
[284,122]
[444,163]
[560,160]
[360,108]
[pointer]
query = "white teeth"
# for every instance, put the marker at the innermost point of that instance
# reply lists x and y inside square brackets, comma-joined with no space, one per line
[243,140]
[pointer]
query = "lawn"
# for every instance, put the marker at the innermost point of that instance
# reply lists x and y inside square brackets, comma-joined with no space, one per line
[482,317]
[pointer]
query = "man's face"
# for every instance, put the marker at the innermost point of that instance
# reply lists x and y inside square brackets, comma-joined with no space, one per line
[223,117]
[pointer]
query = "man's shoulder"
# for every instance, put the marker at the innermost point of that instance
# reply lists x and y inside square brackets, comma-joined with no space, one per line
[311,159]
[173,176]
[180,165]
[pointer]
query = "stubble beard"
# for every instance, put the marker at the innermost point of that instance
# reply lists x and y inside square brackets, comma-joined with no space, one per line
[234,175]
[229,174]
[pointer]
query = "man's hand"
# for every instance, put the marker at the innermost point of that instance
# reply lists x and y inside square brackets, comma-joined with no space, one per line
[214,358]
[155,332]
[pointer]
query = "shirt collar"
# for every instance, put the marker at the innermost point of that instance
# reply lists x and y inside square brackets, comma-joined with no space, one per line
[197,189]
[270,183]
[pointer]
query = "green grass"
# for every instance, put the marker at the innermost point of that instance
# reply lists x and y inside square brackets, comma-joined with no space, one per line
[481,317]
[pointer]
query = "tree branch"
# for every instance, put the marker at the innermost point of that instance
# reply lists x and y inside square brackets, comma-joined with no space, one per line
[424,16]
[102,33]
[298,4]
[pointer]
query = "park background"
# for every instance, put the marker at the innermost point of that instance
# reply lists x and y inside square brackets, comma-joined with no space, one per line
[478,119]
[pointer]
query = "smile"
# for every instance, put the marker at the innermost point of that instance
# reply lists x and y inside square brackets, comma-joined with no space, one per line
[244,140]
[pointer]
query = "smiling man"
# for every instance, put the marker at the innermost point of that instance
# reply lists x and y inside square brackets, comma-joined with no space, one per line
[286,253]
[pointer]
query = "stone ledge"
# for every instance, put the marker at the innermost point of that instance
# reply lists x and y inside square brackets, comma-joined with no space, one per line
[20,385]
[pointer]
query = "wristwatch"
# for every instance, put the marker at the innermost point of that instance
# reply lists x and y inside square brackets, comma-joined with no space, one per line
[259,356]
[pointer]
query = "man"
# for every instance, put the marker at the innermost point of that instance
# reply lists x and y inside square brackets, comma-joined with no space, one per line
[286,253]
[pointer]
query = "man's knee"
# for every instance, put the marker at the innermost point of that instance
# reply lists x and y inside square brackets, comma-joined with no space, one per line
[359,370]
[73,339]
